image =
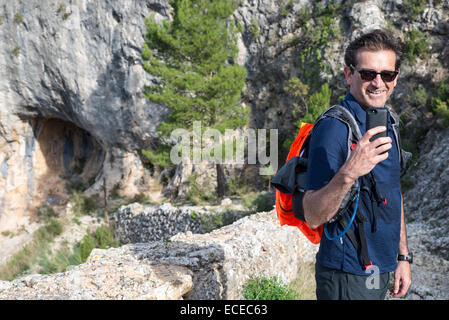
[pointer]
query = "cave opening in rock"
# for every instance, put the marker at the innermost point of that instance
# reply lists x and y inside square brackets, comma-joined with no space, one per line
[67,158]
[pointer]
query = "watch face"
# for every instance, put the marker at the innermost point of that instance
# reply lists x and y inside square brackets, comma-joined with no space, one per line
[408,257]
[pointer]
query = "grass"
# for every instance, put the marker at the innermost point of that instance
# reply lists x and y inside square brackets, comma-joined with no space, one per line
[25,258]
[264,288]
[304,283]
[301,288]
[38,256]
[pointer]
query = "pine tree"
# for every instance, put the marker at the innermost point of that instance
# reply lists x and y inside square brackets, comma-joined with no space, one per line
[193,58]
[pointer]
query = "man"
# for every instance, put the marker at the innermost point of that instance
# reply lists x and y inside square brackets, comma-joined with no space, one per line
[340,274]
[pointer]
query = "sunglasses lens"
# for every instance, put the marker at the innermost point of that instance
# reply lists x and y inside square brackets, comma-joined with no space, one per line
[367,75]
[388,75]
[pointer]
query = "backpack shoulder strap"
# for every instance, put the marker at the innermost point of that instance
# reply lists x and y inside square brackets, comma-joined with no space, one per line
[341,113]
[404,156]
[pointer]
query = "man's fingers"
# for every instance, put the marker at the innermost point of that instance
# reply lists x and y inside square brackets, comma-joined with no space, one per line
[385,147]
[373,131]
[380,141]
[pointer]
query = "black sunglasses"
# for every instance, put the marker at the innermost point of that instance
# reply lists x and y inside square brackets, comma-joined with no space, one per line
[369,75]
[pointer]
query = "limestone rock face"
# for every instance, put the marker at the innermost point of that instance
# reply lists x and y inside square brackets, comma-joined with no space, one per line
[71,107]
[427,201]
[189,266]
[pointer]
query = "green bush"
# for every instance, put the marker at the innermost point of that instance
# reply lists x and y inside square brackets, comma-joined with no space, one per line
[87,244]
[82,205]
[103,238]
[416,45]
[50,230]
[318,102]
[440,102]
[217,220]
[46,212]
[414,7]
[58,262]
[254,28]
[264,288]
[419,97]
[18,18]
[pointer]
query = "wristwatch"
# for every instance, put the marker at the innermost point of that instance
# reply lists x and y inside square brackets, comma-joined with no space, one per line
[406,257]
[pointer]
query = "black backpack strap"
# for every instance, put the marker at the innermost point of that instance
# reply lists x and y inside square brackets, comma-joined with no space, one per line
[341,113]
[358,238]
[404,156]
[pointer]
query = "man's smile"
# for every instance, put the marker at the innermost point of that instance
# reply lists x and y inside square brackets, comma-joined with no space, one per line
[376,92]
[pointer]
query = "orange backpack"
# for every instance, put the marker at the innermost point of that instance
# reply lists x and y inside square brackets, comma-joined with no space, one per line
[284,209]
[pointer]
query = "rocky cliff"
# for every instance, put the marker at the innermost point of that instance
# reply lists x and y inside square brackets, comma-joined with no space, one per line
[70,103]
[71,110]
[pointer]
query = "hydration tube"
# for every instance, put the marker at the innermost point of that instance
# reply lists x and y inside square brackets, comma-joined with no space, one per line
[350,221]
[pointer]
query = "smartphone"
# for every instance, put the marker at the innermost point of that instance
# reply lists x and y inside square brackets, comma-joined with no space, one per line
[377,117]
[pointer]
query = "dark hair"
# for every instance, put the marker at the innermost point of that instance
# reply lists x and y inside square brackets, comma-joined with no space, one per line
[379,39]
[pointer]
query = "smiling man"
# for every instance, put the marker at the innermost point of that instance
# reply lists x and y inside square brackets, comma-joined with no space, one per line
[371,72]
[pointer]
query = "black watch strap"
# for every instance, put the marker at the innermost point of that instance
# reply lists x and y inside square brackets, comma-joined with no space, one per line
[406,257]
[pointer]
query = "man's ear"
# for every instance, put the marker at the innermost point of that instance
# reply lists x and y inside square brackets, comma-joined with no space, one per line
[348,74]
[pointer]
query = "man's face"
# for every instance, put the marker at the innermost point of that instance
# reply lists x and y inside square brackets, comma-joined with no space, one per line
[376,92]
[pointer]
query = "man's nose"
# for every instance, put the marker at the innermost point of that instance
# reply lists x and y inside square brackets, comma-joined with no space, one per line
[377,81]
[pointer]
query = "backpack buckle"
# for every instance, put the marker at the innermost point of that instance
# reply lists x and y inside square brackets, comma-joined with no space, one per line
[367,267]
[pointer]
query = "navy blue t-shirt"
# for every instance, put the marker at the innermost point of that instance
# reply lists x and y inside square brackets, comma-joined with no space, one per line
[328,152]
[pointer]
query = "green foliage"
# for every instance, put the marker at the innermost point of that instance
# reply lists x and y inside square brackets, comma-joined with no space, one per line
[217,220]
[236,186]
[87,244]
[320,29]
[82,205]
[419,97]
[16,51]
[195,192]
[259,202]
[414,8]
[160,158]
[254,28]
[318,102]
[46,212]
[21,261]
[50,230]
[416,45]
[18,18]
[440,102]
[264,288]
[314,103]
[192,57]
[58,262]
[103,238]
[310,95]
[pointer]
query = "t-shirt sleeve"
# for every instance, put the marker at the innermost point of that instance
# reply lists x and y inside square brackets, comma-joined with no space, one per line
[327,152]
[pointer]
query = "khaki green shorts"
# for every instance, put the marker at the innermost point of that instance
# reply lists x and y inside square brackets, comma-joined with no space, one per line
[334,284]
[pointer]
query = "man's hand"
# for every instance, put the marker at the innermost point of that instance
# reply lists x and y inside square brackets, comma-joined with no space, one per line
[367,154]
[402,280]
